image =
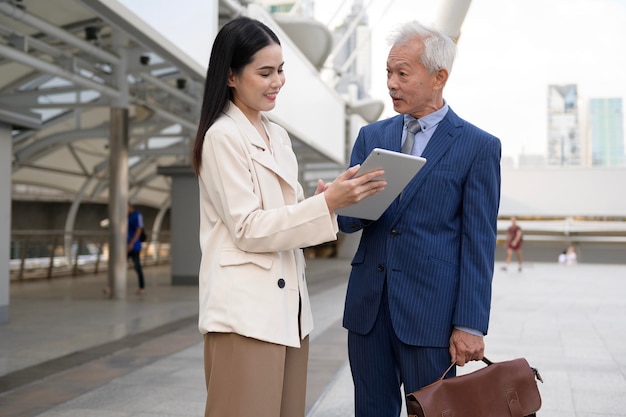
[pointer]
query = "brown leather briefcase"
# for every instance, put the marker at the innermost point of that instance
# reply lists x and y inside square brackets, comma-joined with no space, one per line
[501,389]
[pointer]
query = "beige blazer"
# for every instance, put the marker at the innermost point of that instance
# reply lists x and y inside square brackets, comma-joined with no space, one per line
[254,221]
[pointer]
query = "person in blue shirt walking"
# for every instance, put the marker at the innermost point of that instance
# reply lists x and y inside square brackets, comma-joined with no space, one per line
[135,227]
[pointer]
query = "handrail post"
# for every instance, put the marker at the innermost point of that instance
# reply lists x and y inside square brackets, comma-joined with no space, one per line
[51,264]
[20,275]
[75,266]
[97,266]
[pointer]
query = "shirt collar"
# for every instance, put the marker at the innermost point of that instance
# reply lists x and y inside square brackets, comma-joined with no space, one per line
[430,120]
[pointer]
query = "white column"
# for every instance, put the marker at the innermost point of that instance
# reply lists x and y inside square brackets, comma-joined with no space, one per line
[213,20]
[451,16]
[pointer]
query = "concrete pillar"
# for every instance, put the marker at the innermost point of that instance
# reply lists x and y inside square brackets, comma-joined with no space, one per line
[9,119]
[118,201]
[5,213]
[118,174]
[185,224]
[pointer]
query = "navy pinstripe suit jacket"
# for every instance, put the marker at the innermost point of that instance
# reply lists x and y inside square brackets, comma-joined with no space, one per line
[435,245]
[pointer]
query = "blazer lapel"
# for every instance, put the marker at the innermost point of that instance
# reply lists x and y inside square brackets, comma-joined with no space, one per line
[246,128]
[277,162]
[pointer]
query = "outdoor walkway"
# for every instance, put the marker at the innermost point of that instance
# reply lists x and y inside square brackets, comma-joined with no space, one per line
[69,352]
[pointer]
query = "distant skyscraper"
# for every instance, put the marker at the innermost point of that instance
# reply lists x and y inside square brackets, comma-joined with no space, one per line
[564,147]
[606,125]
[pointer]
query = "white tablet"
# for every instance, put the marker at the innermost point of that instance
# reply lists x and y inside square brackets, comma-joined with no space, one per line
[399,167]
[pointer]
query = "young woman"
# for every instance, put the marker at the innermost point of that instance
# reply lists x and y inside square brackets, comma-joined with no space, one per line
[254,306]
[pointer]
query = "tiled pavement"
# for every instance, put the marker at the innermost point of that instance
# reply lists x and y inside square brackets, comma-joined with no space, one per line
[67,351]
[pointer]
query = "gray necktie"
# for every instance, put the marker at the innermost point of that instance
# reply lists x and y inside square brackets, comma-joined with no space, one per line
[412,128]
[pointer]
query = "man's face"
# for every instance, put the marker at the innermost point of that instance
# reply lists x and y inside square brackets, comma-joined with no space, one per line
[412,88]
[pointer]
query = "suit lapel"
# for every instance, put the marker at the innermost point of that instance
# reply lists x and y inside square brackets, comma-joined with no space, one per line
[445,135]
[393,139]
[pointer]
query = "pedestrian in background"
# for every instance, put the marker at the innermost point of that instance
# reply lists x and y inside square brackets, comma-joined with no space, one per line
[514,240]
[135,229]
[572,258]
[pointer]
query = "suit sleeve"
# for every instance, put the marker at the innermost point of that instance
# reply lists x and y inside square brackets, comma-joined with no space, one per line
[358,155]
[481,199]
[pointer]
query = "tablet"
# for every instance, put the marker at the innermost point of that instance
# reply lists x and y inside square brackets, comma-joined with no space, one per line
[399,168]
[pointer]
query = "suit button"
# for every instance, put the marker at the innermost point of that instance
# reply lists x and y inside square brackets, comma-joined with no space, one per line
[394,232]
[380,267]
[281,283]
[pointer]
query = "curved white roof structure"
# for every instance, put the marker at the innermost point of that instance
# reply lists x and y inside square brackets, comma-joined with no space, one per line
[65,63]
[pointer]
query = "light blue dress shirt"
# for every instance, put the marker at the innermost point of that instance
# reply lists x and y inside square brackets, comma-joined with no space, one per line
[428,124]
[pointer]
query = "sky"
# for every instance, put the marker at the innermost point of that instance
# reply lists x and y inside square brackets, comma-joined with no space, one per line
[508,54]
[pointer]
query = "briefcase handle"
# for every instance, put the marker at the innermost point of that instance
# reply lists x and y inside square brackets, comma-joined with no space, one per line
[488,362]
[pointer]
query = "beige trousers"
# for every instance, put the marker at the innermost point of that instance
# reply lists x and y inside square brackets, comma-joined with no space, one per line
[247,377]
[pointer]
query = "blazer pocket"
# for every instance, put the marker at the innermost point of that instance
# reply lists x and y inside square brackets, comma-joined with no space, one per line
[444,181]
[234,258]
[359,257]
[443,262]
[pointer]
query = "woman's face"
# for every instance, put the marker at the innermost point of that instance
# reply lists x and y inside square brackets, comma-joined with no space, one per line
[255,89]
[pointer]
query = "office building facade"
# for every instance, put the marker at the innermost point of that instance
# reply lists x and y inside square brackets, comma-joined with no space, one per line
[564,141]
[606,131]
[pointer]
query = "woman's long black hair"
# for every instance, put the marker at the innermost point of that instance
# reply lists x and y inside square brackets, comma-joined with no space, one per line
[233,49]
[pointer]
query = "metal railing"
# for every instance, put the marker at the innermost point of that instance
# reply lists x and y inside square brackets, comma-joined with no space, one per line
[568,229]
[45,254]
